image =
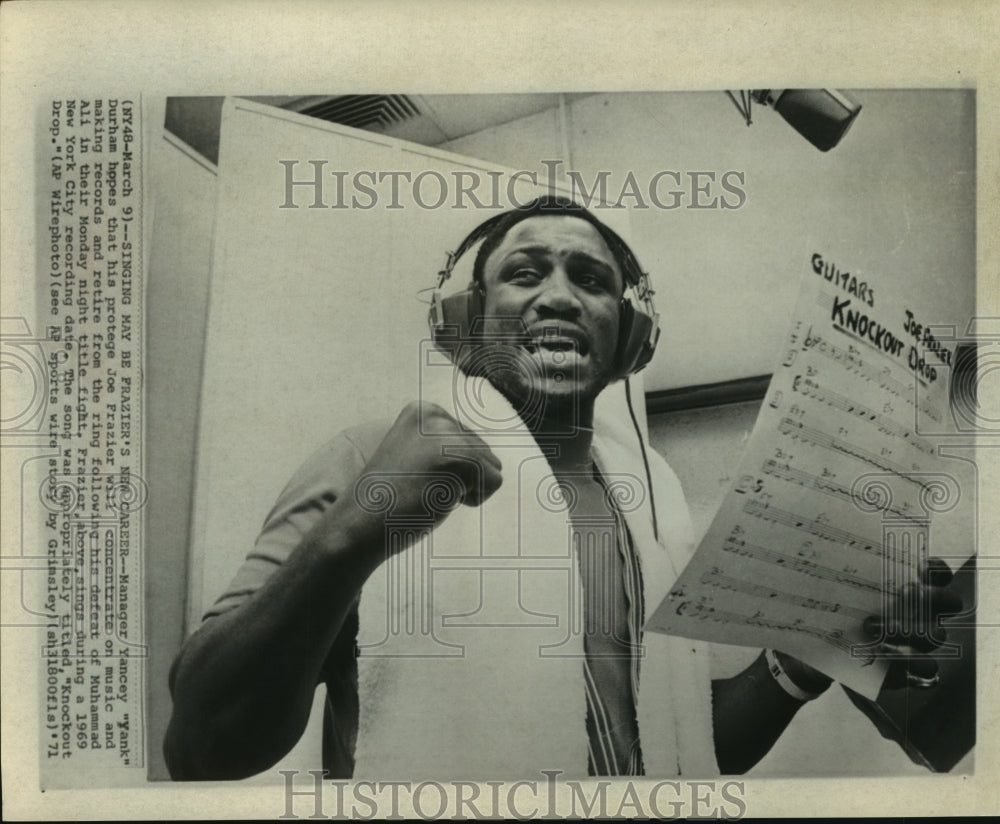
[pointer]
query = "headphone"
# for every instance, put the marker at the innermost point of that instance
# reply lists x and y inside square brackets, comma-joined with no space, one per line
[457,318]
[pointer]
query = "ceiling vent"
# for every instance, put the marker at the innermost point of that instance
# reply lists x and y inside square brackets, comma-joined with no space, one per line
[375,112]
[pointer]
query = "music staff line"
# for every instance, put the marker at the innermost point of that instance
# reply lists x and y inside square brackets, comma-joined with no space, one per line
[804,566]
[811,389]
[702,611]
[800,431]
[805,479]
[841,537]
[717,578]
[856,364]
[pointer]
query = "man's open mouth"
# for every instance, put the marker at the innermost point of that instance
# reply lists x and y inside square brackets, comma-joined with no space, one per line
[558,341]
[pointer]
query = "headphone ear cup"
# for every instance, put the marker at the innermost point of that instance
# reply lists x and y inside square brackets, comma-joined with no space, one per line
[459,318]
[634,330]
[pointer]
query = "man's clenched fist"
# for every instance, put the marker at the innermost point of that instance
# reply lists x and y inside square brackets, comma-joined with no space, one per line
[425,466]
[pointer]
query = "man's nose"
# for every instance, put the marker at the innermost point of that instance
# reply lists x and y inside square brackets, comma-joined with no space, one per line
[558,295]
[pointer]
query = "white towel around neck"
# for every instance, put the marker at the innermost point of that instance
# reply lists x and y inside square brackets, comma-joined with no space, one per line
[471,647]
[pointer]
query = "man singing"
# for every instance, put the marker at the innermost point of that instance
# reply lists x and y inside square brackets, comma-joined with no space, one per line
[555,532]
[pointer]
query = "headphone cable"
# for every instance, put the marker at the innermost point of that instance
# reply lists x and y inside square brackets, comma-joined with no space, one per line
[645,459]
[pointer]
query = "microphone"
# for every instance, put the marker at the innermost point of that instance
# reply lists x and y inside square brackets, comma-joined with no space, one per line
[821,116]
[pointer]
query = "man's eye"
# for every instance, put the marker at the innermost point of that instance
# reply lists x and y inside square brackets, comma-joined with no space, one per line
[524,275]
[591,281]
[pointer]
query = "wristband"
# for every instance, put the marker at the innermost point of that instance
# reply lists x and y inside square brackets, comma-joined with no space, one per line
[784,679]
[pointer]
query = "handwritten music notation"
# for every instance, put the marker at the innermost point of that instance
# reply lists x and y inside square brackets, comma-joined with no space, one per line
[795,563]
[799,431]
[827,513]
[717,578]
[852,361]
[812,389]
[787,472]
[702,609]
[814,526]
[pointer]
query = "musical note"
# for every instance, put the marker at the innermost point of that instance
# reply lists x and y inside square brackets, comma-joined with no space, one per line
[882,377]
[814,526]
[801,565]
[805,479]
[702,610]
[810,388]
[799,431]
[718,579]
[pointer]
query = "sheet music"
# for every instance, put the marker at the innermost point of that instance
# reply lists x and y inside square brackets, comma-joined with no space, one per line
[830,510]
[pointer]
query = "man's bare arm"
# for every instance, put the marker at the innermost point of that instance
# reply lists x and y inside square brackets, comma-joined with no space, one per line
[243,684]
[751,710]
